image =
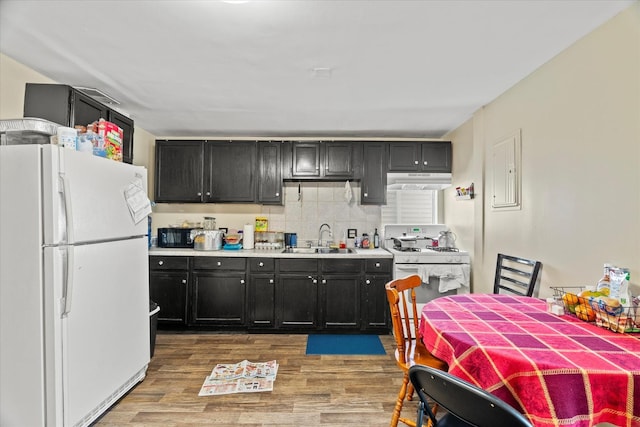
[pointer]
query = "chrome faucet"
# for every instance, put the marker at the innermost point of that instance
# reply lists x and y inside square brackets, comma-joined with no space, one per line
[320,231]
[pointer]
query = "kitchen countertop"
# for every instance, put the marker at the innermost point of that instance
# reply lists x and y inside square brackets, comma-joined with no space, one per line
[269,253]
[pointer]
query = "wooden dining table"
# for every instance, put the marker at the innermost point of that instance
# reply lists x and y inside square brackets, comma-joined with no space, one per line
[557,370]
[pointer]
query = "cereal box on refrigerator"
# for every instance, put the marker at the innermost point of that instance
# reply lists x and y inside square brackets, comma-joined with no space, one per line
[112,135]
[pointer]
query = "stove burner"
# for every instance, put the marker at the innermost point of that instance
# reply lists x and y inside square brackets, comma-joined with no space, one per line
[441,249]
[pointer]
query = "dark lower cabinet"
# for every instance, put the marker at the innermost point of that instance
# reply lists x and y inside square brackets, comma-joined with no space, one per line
[340,301]
[262,293]
[298,302]
[219,292]
[262,301]
[297,294]
[271,294]
[219,298]
[169,287]
[375,307]
[340,293]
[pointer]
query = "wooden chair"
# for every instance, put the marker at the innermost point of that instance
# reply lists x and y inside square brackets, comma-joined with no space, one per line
[409,347]
[516,275]
[467,405]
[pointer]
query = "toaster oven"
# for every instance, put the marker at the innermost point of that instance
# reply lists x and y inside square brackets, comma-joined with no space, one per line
[175,237]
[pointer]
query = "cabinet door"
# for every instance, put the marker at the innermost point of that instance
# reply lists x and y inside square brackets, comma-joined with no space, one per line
[219,298]
[436,157]
[179,171]
[270,175]
[126,124]
[373,187]
[87,110]
[305,159]
[340,296]
[230,171]
[262,289]
[338,159]
[375,307]
[298,301]
[52,102]
[404,156]
[169,289]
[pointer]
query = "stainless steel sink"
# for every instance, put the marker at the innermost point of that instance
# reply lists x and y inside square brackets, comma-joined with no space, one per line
[334,251]
[313,250]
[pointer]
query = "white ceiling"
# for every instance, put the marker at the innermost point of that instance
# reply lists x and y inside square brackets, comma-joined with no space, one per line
[296,68]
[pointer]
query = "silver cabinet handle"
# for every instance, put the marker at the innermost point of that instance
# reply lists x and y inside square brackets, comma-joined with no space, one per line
[208,193]
[160,262]
[277,194]
[199,194]
[425,163]
[242,281]
[261,264]
[377,265]
[315,281]
[184,281]
[219,263]
[366,194]
[324,281]
[368,282]
[270,280]
[416,162]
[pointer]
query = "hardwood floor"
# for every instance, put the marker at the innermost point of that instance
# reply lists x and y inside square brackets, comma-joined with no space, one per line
[328,391]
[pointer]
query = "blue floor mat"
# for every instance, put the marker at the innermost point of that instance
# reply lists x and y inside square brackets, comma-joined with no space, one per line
[344,344]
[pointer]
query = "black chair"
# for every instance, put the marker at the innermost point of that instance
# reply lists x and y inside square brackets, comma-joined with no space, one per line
[467,405]
[516,275]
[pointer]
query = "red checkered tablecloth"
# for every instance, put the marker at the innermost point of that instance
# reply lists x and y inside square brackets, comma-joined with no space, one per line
[558,370]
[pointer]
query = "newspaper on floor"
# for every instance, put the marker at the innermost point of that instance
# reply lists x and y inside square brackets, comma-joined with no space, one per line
[241,377]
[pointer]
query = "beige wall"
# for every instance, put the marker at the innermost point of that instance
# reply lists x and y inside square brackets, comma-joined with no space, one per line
[579,116]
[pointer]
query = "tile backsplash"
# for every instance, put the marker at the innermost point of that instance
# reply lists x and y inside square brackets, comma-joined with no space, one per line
[306,206]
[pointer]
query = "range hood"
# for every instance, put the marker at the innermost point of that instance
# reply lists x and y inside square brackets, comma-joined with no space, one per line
[418,181]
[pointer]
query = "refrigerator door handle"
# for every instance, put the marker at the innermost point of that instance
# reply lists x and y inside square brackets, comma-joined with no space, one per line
[66,200]
[67,277]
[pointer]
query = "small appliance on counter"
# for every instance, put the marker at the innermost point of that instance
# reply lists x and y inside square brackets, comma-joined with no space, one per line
[207,240]
[175,237]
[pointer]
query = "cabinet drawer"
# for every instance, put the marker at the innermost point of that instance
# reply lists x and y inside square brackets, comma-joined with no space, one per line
[378,265]
[299,265]
[353,266]
[168,263]
[219,263]
[261,265]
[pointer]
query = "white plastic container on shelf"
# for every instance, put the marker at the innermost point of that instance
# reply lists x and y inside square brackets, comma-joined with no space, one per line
[67,137]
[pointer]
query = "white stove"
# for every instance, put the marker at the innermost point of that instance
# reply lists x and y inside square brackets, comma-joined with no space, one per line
[444,271]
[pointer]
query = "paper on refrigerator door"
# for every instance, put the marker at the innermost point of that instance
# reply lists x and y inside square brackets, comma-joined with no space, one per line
[137,200]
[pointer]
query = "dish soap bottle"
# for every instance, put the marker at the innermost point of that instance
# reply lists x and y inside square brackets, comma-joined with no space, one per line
[376,239]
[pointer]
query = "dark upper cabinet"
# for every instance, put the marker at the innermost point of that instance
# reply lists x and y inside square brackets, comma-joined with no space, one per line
[67,106]
[189,171]
[179,171]
[330,160]
[270,172]
[126,124]
[373,187]
[420,156]
[230,171]
[305,159]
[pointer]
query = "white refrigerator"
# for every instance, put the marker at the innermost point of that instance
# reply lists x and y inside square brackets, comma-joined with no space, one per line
[74,294]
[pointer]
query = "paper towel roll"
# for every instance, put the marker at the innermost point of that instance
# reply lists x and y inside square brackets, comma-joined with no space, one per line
[248,237]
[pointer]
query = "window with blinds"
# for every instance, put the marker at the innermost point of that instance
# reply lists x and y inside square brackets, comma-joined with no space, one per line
[410,207]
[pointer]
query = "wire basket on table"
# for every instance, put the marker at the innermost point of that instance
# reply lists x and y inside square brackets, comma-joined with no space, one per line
[618,318]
